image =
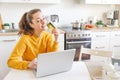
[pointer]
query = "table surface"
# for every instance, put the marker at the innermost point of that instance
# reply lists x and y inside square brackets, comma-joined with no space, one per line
[79,71]
[95,69]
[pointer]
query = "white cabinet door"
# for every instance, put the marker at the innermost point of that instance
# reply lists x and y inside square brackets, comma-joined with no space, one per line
[102,1]
[93,1]
[61,42]
[45,1]
[110,1]
[100,44]
[6,45]
[31,1]
[100,40]
[115,47]
[115,43]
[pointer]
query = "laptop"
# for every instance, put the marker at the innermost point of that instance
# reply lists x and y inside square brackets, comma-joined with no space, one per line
[54,62]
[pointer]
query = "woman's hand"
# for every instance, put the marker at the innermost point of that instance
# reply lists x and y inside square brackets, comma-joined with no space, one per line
[33,64]
[56,34]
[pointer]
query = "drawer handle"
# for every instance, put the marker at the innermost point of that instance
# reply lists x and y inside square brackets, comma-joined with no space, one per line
[100,47]
[117,35]
[100,35]
[8,40]
[116,45]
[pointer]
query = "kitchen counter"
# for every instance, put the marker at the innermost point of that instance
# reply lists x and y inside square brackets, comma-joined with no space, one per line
[79,71]
[9,34]
[16,33]
[106,29]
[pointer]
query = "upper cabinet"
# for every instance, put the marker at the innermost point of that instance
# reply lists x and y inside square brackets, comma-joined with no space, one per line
[31,1]
[92,1]
[102,1]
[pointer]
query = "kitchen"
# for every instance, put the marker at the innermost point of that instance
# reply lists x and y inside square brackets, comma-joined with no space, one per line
[67,14]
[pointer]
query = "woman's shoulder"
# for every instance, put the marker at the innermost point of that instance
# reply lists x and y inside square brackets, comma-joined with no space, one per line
[46,33]
[24,36]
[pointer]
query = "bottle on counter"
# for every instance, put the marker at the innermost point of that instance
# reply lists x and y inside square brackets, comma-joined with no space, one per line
[82,26]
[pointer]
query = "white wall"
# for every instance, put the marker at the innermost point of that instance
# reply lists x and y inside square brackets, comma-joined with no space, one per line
[68,11]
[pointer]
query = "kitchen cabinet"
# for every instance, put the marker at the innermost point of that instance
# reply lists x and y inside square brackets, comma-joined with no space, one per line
[61,42]
[109,41]
[100,40]
[92,1]
[115,43]
[102,1]
[31,1]
[6,45]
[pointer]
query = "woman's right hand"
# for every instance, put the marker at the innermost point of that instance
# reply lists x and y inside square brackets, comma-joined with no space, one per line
[33,64]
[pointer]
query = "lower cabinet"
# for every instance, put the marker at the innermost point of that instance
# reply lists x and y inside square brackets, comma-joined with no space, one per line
[7,43]
[115,43]
[61,42]
[100,40]
[109,41]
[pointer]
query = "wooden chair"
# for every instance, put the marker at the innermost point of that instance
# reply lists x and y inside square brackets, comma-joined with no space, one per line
[96,62]
[93,52]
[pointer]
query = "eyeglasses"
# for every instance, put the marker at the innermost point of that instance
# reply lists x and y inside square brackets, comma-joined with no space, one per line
[39,20]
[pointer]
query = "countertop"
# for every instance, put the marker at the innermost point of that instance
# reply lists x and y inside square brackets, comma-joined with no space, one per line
[106,29]
[16,33]
[79,71]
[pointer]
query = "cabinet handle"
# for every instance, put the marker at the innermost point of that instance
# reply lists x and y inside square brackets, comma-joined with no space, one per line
[9,40]
[116,45]
[99,47]
[118,35]
[100,35]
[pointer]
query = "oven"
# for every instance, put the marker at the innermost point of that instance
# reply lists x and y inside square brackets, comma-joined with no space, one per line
[74,40]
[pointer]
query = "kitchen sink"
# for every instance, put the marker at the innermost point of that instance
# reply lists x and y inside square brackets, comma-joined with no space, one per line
[8,30]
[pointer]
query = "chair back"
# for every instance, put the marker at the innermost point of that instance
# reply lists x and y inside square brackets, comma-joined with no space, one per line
[94,52]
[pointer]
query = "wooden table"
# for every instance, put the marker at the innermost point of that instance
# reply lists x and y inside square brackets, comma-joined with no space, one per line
[95,69]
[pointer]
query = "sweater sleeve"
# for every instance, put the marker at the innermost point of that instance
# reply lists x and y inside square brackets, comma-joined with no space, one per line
[14,60]
[52,45]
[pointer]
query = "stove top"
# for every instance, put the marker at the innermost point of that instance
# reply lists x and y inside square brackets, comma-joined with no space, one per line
[76,33]
[70,29]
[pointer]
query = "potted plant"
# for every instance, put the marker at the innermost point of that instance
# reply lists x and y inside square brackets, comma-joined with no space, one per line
[6,26]
[99,23]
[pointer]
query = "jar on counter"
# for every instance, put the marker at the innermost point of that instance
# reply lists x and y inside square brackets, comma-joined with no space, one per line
[75,25]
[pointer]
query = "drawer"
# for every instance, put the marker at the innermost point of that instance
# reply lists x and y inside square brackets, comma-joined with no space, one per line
[100,35]
[100,45]
[9,38]
[115,34]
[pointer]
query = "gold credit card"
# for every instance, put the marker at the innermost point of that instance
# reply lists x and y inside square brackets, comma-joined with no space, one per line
[50,26]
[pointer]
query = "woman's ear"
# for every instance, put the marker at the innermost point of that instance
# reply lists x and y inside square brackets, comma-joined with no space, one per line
[31,24]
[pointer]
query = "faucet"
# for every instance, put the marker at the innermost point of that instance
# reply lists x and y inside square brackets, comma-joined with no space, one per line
[13,25]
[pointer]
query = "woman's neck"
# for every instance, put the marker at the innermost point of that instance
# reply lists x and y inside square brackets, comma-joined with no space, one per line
[37,33]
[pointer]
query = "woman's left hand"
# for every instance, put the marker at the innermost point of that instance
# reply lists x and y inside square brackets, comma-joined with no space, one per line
[56,34]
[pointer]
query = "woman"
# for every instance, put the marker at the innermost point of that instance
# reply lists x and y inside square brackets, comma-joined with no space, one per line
[34,40]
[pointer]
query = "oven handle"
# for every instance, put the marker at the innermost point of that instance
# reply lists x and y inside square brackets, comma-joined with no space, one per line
[77,42]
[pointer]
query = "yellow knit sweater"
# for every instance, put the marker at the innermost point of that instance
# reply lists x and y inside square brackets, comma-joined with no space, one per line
[28,48]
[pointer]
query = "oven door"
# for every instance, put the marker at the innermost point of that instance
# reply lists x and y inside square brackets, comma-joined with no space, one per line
[77,45]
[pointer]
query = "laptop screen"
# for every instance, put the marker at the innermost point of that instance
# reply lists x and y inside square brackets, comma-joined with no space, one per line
[54,62]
